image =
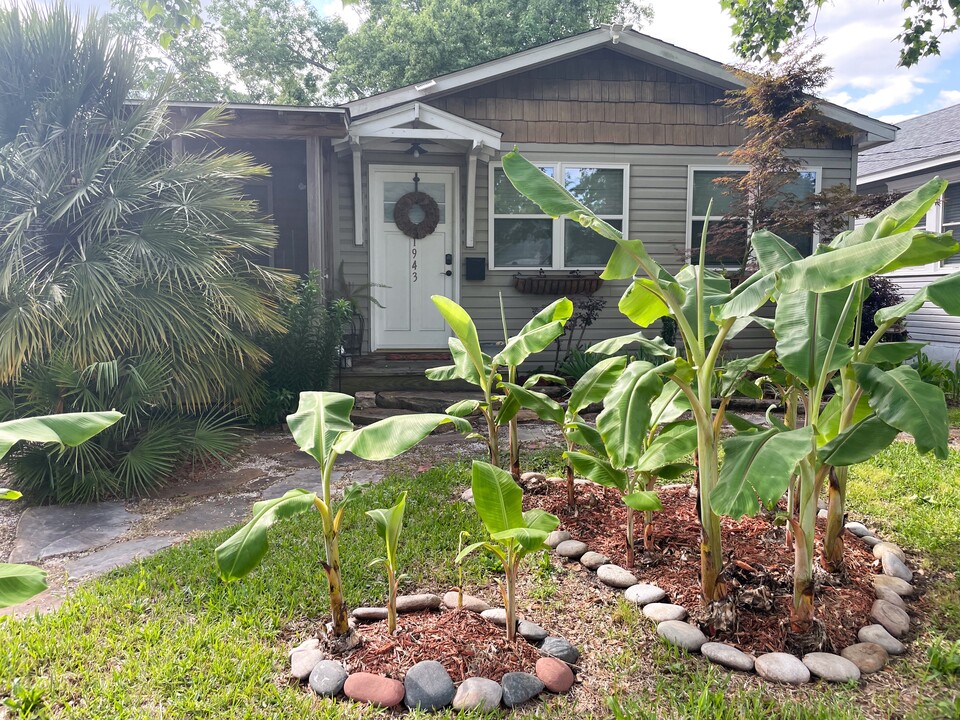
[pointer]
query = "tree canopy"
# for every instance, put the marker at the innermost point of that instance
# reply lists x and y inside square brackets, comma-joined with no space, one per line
[763,27]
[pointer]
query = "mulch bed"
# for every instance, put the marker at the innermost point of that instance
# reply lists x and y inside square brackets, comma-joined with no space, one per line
[756,544]
[463,642]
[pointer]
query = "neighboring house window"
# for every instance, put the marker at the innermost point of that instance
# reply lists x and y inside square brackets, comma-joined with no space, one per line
[736,231]
[523,237]
[950,214]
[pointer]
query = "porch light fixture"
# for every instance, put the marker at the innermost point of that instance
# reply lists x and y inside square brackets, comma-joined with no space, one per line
[416,149]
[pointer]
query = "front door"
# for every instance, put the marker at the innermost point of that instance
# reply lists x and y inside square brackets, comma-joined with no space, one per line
[406,271]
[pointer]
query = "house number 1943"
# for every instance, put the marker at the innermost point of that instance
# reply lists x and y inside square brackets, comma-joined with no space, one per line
[413,266]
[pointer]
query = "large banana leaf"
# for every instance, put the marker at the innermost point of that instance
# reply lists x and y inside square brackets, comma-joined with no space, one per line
[734,371]
[19,583]
[670,405]
[389,522]
[642,303]
[542,329]
[674,443]
[546,408]
[655,348]
[392,436]
[537,525]
[716,292]
[894,352]
[772,251]
[319,420]
[595,383]
[746,299]
[903,215]
[858,443]
[758,465]
[804,326]
[944,293]
[901,399]
[828,427]
[643,501]
[70,429]
[597,470]
[243,551]
[627,411]
[463,327]
[497,498]
[584,435]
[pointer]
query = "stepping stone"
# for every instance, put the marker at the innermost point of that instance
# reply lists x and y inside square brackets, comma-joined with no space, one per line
[369,614]
[643,594]
[560,648]
[309,479]
[556,675]
[478,693]
[556,537]
[830,667]
[890,596]
[427,686]
[871,541]
[418,603]
[531,631]
[44,532]
[858,529]
[683,635]
[895,567]
[373,689]
[895,620]
[727,656]
[327,678]
[519,687]
[867,656]
[114,556]
[878,634]
[471,603]
[782,667]
[302,662]
[571,549]
[207,516]
[882,548]
[593,560]
[659,612]
[897,585]
[616,576]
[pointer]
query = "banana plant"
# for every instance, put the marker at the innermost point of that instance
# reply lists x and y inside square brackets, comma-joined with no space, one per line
[514,534]
[639,439]
[474,366]
[389,522]
[18,582]
[322,428]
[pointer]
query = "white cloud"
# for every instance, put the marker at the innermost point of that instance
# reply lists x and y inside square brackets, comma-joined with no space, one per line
[948,97]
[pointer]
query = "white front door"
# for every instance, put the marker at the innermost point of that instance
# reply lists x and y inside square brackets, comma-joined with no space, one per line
[407,271]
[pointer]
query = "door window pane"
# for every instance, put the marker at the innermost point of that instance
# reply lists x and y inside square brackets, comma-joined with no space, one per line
[600,189]
[393,191]
[523,243]
[582,247]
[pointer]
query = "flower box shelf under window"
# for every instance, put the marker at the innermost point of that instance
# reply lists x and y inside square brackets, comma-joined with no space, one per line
[557,284]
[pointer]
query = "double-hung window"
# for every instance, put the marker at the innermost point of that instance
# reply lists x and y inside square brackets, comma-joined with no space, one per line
[524,238]
[950,219]
[728,235]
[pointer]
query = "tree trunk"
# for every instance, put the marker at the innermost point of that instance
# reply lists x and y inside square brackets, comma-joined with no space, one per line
[832,557]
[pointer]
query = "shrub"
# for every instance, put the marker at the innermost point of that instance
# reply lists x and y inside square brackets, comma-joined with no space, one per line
[884,293]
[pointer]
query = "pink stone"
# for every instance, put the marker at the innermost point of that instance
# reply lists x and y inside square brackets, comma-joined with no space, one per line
[555,674]
[373,689]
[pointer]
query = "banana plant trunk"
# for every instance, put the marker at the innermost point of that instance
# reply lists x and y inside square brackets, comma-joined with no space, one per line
[804,528]
[510,574]
[648,518]
[833,539]
[338,609]
[631,559]
[391,601]
[515,450]
[711,553]
[571,485]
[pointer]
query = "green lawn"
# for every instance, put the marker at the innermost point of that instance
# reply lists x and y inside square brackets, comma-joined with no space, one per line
[167,639]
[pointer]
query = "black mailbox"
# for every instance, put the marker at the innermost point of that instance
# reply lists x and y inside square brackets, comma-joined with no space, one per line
[476,268]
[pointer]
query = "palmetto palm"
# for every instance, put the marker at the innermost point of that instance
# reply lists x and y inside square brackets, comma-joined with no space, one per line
[113,248]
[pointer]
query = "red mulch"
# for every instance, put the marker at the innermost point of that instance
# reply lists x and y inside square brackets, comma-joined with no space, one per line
[463,642]
[755,543]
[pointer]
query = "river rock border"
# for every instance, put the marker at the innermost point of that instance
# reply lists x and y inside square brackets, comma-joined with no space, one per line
[427,685]
[877,641]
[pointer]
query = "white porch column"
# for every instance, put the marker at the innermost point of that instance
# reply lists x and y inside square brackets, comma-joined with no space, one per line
[357,191]
[471,192]
[314,206]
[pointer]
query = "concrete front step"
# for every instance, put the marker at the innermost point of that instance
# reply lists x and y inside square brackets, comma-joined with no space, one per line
[368,416]
[423,401]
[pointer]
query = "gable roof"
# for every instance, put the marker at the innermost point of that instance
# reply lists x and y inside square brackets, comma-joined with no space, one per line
[627,41]
[922,143]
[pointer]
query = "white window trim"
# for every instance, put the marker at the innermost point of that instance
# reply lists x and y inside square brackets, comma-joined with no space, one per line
[942,266]
[691,169]
[557,224]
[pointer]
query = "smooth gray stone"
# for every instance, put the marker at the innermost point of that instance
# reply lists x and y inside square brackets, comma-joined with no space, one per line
[519,687]
[497,616]
[369,614]
[114,556]
[417,603]
[556,537]
[822,514]
[895,567]
[531,631]
[858,529]
[308,644]
[478,693]
[533,477]
[878,634]
[571,549]
[882,548]
[727,656]
[899,586]
[616,576]
[327,678]
[471,603]
[561,649]
[302,662]
[659,612]
[782,667]
[644,594]
[593,560]
[207,516]
[867,656]
[467,496]
[871,541]
[427,686]
[43,532]
[830,667]
[683,635]
[890,596]
[895,620]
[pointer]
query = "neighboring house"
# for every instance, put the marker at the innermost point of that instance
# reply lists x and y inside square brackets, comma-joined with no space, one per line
[926,146]
[628,123]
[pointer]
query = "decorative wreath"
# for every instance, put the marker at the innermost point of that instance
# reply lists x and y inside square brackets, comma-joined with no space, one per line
[431,215]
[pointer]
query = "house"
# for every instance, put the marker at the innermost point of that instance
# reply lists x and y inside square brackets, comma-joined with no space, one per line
[627,122]
[926,146]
